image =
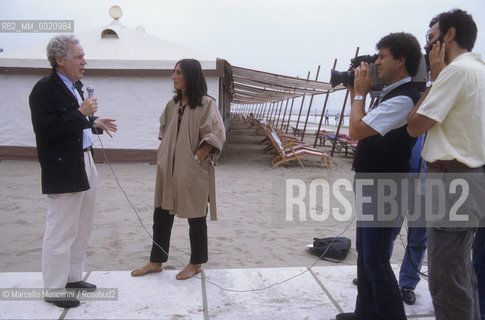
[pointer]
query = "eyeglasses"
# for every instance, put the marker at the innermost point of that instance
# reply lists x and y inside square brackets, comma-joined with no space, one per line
[429,37]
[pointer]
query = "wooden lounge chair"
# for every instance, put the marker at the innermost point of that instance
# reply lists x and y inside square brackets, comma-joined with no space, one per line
[348,145]
[296,131]
[289,153]
[322,136]
[285,139]
[259,126]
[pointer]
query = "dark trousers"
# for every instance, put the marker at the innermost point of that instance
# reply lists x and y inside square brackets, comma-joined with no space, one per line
[479,265]
[378,295]
[452,279]
[162,229]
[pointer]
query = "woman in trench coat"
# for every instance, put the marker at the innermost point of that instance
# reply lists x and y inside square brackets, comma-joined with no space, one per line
[192,134]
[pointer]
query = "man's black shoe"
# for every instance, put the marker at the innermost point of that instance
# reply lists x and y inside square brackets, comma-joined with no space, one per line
[408,295]
[81,285]
[64,302]
[346,316]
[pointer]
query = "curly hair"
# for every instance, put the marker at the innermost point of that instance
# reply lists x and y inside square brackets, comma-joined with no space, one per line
[466,29]
[60,46]
[402,44]
[195,83]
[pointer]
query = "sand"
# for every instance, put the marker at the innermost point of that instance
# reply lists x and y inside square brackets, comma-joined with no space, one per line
[250,231]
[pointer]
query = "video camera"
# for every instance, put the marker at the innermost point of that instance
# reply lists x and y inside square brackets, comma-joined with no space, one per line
[347,77]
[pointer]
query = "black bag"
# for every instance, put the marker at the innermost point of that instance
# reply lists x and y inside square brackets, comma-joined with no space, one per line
[334,247]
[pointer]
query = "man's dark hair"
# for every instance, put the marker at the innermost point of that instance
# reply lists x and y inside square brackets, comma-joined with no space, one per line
[433,21]
[405,45]
[466,29]
[195,84]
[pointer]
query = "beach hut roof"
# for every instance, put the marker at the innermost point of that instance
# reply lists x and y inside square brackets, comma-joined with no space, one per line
[114,46]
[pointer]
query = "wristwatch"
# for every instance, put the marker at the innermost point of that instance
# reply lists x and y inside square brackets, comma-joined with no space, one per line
[429,84]
[359,98]
[196,159]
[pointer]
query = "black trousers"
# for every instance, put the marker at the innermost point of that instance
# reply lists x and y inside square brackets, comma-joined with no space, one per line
[162,229]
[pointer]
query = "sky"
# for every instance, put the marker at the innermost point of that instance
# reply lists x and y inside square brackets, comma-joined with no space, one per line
[290,37]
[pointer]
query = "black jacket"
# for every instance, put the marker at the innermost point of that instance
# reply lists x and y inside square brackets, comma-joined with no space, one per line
[58,127]
[391,152]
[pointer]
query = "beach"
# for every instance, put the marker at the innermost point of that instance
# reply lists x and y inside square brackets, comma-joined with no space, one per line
[251,231]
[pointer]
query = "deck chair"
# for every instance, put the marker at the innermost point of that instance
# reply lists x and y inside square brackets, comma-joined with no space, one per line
[322,136]
[259,126]
[297,152]
[286,140]
[348,145]
[332,138]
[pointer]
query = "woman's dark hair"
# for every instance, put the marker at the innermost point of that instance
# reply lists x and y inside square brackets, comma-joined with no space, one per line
[405,45]
[195,84]
[466,29]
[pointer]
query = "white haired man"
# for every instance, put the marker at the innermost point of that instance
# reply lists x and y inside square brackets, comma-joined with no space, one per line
[63,122]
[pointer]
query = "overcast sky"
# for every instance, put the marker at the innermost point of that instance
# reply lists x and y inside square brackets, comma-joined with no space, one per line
[288,37]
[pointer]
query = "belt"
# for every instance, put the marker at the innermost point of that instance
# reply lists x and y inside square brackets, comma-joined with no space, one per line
[90,148]
[442,165]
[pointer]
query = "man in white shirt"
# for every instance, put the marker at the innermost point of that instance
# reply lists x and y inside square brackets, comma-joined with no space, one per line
[453,114]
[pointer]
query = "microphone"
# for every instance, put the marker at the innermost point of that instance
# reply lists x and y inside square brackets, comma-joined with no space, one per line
[90,90]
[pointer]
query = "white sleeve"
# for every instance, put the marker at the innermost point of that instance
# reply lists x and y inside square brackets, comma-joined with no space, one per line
[390,114]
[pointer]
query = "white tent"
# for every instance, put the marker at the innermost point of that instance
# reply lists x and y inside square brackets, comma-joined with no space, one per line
[130,71]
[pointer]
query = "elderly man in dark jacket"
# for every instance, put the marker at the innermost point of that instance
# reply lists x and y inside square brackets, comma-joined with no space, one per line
[62,120]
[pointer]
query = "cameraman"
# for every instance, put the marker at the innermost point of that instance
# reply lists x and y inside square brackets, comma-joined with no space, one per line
[384,147]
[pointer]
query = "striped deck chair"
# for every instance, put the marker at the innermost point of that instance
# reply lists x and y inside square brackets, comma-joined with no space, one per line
[296,152]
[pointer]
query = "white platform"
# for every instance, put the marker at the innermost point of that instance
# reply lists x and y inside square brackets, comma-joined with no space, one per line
[320,293]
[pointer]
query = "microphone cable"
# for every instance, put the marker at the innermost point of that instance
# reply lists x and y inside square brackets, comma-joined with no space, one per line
[408,252]
[205,277]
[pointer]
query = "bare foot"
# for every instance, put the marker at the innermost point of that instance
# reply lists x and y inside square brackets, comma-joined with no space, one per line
[150,267]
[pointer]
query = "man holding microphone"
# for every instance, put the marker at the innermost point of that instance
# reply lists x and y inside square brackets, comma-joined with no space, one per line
[62,121]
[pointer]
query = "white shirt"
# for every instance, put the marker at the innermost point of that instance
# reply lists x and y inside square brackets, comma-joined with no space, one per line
[392,113]
[457,103]
[87,134]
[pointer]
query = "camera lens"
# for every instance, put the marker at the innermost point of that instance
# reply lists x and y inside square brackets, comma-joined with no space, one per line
[341,77]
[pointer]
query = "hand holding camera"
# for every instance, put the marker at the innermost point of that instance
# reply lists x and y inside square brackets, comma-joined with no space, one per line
[347,78]
[362,79]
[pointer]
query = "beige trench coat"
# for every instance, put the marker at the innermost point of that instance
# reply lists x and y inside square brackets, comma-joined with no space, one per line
[182,185]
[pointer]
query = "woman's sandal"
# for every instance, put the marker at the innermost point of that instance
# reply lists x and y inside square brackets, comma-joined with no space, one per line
[187,274]
[139,273]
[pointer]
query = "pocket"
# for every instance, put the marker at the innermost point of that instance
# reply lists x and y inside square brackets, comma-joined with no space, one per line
[203,166]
